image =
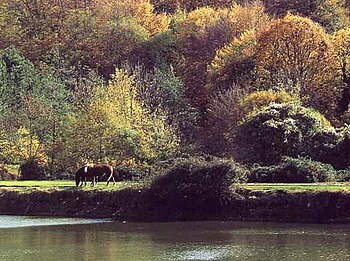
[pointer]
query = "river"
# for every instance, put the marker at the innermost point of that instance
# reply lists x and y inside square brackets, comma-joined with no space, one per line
[36,239]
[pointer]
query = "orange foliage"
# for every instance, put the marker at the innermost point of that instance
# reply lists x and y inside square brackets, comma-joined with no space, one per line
[296,53]
[203,32]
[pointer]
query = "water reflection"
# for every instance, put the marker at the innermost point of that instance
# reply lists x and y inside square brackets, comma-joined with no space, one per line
[176,241]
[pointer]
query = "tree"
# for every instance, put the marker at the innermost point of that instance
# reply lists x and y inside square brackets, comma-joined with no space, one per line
[116,127]
[296,54]
[170,6]
[331,14]
[227,109]
[341,42]
[94,33]
[160,90]
[202,33]
[31,100]
[234,64]
[32,26]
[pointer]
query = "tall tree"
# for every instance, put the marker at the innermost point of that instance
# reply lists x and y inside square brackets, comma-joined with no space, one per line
[116,126]
[297,55]
[202,33]
[341,41]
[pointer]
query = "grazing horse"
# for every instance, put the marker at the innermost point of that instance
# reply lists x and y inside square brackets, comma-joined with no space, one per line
[94,171]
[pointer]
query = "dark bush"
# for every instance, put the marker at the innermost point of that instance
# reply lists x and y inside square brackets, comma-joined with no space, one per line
[32,169]
[283,130]
[124,173]
[293,170]
[197,183]
[343,175]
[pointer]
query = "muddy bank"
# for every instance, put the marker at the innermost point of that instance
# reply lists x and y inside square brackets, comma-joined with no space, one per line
[139,205]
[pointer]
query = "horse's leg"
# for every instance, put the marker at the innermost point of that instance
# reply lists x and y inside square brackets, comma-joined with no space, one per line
[93,181]
[109,178]
[113,179]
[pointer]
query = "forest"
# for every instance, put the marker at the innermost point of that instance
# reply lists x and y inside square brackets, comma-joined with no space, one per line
[261,85]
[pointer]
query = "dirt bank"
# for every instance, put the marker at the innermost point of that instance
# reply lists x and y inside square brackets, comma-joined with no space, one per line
[139,205]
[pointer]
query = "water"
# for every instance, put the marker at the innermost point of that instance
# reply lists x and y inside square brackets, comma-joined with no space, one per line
[25,238]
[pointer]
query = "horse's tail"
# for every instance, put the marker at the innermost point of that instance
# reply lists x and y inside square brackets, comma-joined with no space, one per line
[77,178]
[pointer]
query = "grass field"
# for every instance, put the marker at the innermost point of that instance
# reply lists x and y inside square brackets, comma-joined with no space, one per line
[299,187]
[69,184]
[62,185]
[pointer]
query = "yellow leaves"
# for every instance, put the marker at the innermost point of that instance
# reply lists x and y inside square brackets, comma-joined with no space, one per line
[22,146]
[240,47]
[294,51]
[116,127]
[141,10]
[341,42]
[233,63]
[255,101]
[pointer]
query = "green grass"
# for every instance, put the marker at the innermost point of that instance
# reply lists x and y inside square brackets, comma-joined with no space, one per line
[294,187]
[62,185]
[30,185]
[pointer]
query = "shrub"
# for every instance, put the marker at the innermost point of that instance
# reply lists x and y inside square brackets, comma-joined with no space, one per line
[5,174]
[293,170]
[33,169]
[343,175]
[197,183]
[126,173]
[279,130]
[257,100]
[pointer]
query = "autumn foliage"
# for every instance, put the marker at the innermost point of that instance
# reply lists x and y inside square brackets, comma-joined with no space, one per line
[137,82]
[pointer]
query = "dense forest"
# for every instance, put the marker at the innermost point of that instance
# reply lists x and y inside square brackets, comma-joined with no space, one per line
[137,83]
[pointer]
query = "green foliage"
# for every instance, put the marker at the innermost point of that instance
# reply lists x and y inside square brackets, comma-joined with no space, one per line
[116,127]
[170,6]
[197,183]
[162,92]
[279,130]
[230,108]
[156,51]
[294,170]
[33,104]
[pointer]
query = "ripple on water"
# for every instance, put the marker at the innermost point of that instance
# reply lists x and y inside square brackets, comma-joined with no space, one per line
[25,221]
[209,253]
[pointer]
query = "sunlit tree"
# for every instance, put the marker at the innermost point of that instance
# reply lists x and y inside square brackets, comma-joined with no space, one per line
[296,54]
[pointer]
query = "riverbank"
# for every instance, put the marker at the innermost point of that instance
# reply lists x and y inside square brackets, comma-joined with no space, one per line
[138,204]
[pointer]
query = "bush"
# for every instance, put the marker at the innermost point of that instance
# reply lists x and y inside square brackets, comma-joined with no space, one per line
[197,183]
[293,170]
[279,130]
[343,175]
[125,173]
[258,100]
[5,174]
[33,169]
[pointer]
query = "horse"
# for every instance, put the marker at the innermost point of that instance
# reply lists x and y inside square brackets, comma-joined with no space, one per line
[94,171]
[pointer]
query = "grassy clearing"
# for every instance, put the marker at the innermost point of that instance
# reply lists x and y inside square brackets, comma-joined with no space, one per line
[30,185]
[298,187]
